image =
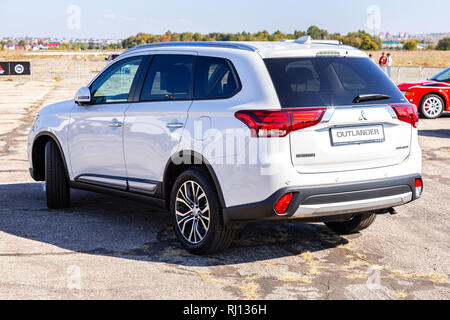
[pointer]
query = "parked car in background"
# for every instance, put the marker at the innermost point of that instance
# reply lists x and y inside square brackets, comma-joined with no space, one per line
[323,136]
[112,57]
[432,96]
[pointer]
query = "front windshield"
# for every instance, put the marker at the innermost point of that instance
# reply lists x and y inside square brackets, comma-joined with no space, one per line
[442,76]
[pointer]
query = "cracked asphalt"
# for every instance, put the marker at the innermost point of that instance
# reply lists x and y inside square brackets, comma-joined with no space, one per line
[108,248]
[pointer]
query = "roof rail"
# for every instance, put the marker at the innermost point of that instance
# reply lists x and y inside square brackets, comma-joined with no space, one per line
[217,44]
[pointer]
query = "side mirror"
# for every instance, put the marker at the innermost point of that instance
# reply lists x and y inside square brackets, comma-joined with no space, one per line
[83,96]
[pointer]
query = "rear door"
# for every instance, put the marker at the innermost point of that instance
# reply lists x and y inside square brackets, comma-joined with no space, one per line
[354,138]
[352,135]
[153,127]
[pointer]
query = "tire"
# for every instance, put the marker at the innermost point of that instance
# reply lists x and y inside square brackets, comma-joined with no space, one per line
[56,180]
[189,211]
[432,106]
[357,223]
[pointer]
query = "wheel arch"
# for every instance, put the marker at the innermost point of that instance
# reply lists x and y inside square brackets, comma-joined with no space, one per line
[38,154]
[184,160]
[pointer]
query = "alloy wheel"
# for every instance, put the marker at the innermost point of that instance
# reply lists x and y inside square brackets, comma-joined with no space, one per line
[432,106]
[192,212]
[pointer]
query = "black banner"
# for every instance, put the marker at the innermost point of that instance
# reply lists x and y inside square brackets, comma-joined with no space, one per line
[234,310]
[15,69]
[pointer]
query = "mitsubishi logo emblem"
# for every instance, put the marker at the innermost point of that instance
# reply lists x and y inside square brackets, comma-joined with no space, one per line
[363,116]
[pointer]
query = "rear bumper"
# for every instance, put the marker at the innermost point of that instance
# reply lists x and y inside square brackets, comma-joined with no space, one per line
[325,202]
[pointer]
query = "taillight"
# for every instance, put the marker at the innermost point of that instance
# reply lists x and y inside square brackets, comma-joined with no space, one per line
[419,187]
[283,204]
[407,113]
[279,123]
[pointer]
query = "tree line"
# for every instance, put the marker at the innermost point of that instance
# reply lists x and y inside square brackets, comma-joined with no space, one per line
[360,39]
[411,45]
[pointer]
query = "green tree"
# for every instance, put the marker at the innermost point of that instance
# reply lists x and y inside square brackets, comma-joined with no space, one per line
[114,46]
[352,41]
[187,36]
[65,46]
[316,33]
[198,36]
[378,41]
[2,45]
[80,46]
[298,34]
[410,45]
[154,39]
[368,44]
[176,37]
[443,44]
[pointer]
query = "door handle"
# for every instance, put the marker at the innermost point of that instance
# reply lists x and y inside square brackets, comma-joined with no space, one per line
[175,125]
[115,124]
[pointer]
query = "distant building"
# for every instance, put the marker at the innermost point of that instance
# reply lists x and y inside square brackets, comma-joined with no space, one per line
[391,44]
[401,36]
[421,46]
[52,45]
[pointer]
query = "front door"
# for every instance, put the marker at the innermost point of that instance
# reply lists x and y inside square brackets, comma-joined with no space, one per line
[95,138]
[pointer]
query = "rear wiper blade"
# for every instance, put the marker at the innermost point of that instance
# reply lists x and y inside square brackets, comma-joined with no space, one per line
[370,97]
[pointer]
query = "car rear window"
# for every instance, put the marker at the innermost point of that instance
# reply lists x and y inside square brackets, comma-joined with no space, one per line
[328,81]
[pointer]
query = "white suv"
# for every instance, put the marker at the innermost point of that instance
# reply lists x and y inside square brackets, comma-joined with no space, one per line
[224,133]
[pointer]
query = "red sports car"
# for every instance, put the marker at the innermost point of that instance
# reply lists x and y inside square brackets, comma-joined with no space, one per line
[432,96]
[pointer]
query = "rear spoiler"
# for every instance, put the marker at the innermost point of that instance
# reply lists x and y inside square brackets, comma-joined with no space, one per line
[308,40]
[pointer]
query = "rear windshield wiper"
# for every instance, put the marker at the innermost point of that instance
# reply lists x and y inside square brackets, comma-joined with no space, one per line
[370,97]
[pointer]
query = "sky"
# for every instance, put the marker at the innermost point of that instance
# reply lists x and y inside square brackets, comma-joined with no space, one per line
[121,19]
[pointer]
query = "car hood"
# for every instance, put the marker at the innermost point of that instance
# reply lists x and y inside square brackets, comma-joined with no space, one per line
[62,107]
[407,85]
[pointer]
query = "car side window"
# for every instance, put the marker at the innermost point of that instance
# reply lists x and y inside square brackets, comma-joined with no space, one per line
[169,78]
[214,79]
[114,85]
